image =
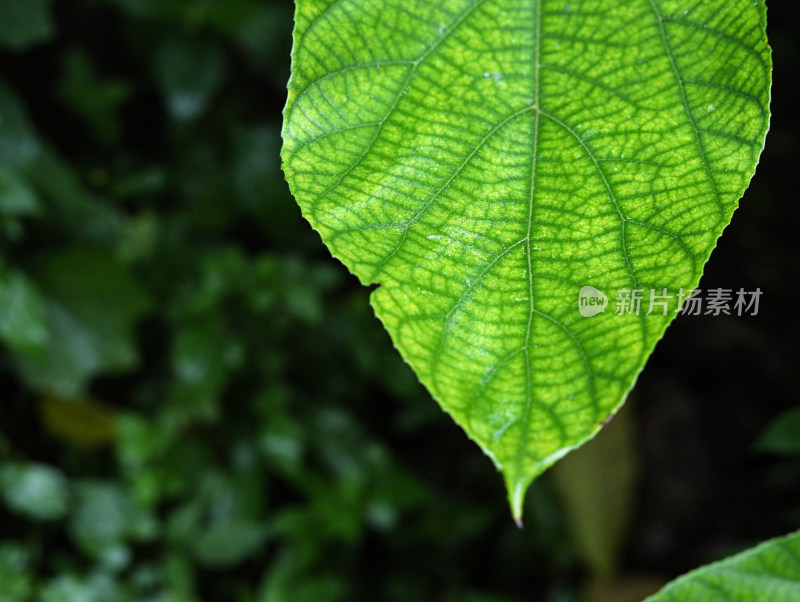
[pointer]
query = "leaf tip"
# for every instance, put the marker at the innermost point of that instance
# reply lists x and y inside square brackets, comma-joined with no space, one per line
[517,498]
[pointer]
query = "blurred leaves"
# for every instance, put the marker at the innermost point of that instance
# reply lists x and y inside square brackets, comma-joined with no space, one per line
[195,400]
[96,100]
[16,582]
[783,435]
[17,199]
[105,518]
[81,422]
[18,143]
[23,323]
[24,23]
[34,490]
[189,74]
[91,305]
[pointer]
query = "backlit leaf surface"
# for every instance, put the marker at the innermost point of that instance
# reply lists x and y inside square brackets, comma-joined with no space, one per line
[770,571]
[484,160]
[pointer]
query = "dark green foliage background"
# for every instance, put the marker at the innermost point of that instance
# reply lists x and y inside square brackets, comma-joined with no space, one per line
[249,433]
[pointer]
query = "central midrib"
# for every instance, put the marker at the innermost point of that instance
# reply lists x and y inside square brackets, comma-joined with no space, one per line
[519,486]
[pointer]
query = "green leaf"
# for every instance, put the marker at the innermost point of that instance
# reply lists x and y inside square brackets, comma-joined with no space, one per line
[189,74]
[92,304]
[483,160]
[19,145]
[782,436]
[107,517]
[769,571]
[94,588]
[97,100]
[34,490]
[24,23]
[23,321]
[16,580]
[65,200]
[17,199]
[228,543]
[81,422]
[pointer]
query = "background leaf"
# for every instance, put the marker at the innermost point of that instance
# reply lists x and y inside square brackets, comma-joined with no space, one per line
[35,490]
[767,572]
[597,484]
[16,582]
[23,324]
[24,23]
[783,435]
[92,304]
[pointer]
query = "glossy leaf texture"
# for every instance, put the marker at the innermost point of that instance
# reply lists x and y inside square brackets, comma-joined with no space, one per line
[484,160]
[769,571]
